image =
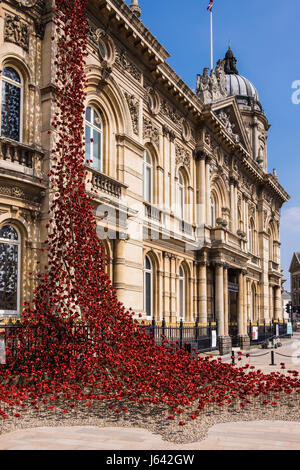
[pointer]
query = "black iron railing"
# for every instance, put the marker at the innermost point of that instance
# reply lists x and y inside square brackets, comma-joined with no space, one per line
[201,336]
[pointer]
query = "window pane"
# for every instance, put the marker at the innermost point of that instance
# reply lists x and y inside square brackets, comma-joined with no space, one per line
[88,113]
[96,150]
[147,263]
[97,120]
[148,183]
[8,276]
[87,142]
[148,293]
[11,73]
[10,111]
[8,233]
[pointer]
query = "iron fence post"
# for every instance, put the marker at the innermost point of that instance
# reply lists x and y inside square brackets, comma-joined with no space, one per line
[153,327]
[181,333]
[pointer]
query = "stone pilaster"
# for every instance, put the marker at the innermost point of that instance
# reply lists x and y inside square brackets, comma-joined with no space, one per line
[202,292]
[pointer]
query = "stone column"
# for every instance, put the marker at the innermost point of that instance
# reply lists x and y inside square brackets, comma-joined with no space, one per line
[219,283]
[166,293]
[119,268]
[202,292]
[242,312]
[232,206]
[207,181]
[226,311]
[201,200]
[271,303]
[173,290]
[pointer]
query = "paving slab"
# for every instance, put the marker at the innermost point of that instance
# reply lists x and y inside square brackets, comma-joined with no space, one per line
[256,435]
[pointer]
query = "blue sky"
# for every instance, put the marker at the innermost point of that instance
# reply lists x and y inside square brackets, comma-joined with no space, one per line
[264,36]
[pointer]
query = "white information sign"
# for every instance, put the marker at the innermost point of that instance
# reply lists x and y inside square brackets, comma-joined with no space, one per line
[213,339]
[254,333]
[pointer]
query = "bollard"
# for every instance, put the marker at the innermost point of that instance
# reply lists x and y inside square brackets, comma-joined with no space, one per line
[233,357]
[272,359]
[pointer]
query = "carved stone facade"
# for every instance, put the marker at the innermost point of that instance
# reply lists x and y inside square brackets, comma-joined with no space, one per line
[16,31]
[208,215]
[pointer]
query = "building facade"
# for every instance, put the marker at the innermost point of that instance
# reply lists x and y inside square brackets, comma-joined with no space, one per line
[191,214]
[295,282]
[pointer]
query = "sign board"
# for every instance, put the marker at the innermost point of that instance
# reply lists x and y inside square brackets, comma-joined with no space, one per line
[289,328]
[254,333]
[213,338]
[2,348]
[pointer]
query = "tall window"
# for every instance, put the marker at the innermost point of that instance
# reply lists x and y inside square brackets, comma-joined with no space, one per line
[212,211]
[181,196]
[251,233]
[148,177]
[11,104]
[182,293]
[93,139]
[9,270]
[148,287]
[270,245]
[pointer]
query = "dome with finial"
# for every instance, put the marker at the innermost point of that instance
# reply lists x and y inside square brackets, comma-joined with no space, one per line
[237,85]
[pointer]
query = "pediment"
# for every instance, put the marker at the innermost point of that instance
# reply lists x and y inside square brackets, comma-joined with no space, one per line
[228,114]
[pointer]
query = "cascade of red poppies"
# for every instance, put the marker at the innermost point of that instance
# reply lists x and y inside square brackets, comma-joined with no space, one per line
[76,336]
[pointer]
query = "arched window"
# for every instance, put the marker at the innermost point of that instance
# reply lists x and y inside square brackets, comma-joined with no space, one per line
[9,270]
[11,104]
[93,138]
[148,287]
[212,211]
[182,293]
[148,177]
[181,196]
[270,245]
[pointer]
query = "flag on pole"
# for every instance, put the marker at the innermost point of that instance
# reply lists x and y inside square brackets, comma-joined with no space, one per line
[209,8]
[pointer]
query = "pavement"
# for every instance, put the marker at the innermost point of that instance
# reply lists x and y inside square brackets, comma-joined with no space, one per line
[250,435]
[255,435]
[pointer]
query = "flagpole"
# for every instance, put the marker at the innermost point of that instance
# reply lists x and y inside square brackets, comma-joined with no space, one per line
[211,41]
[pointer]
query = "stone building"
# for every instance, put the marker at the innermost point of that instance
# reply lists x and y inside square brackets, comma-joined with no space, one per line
[192,214]
[295,280]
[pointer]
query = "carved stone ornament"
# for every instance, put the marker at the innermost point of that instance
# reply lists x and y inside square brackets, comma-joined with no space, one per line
[150,131]
[16,31]
[212,87]
[27,3]
[133,104]
[182,156]
[123,61]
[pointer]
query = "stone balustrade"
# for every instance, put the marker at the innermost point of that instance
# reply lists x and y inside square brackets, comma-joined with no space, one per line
[106,184]
[21,154]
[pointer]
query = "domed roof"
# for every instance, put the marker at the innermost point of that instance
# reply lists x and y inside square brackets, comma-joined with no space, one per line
[237,85]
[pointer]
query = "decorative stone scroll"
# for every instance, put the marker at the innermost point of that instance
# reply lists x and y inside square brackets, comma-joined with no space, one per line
[212,87]
[133,104]
[150,131]
[182,156]
[16,31]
